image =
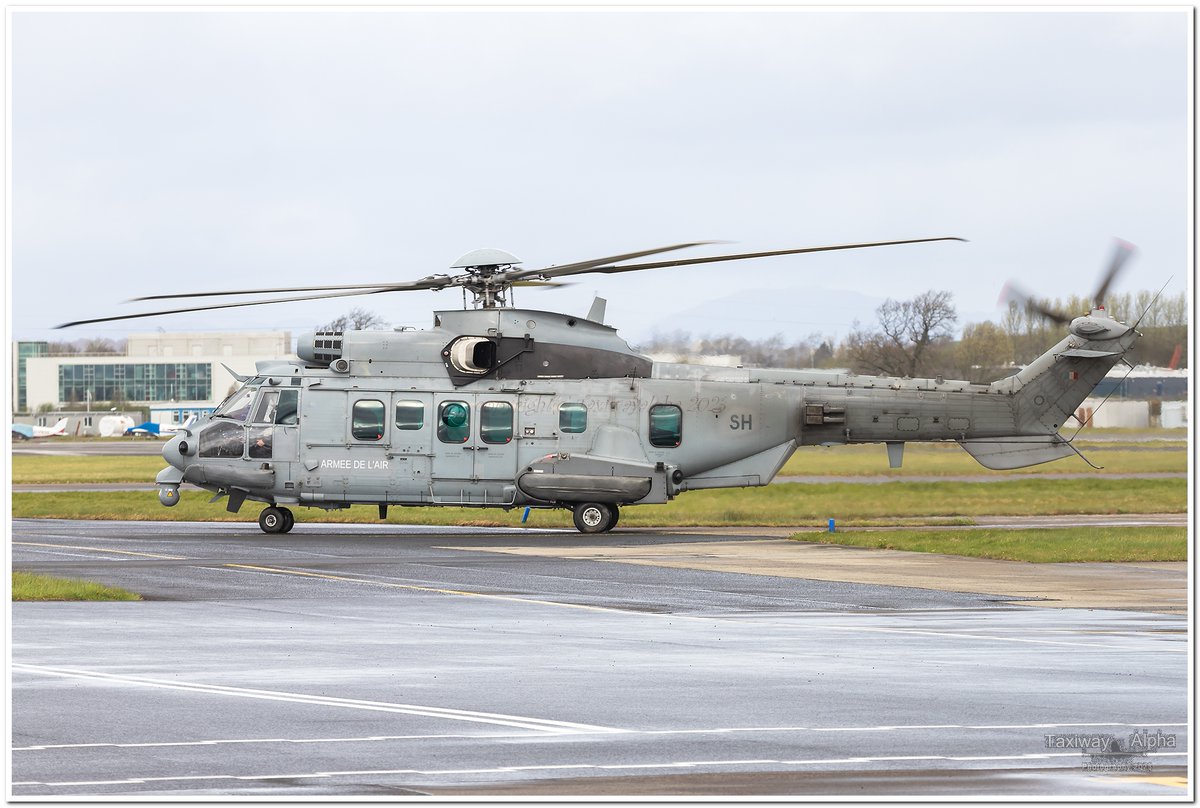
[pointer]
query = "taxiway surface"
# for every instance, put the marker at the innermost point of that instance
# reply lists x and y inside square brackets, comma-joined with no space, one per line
[355,659]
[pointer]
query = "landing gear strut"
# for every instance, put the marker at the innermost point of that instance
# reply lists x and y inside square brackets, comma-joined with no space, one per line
[595,517]
[276,520]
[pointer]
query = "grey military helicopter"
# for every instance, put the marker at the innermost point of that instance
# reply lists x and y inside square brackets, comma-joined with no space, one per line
[503,407]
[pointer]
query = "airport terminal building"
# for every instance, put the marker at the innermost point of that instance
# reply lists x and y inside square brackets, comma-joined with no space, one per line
[173,374]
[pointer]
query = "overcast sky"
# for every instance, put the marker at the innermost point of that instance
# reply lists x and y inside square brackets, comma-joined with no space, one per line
[176,152]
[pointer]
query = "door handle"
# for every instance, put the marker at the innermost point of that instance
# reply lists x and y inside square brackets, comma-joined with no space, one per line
[481,448]
[468,448]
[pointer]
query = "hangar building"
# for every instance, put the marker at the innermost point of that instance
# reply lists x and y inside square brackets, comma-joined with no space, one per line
[174,375]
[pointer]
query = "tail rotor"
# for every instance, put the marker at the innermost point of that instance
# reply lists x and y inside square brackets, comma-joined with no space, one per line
[1012,293]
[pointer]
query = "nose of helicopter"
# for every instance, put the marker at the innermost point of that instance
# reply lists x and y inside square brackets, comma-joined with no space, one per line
[175,450]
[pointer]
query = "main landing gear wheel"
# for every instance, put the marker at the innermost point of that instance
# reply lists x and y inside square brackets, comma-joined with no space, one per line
[595,517]
[289,520]
[273,520]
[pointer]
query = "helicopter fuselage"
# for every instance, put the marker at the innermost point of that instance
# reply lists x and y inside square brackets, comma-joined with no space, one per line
[512,407]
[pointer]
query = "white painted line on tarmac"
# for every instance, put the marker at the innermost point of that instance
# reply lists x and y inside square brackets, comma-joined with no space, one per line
[1048,756]
[645,732]
[459,592]
[523,722]
[99,550]
[961,635]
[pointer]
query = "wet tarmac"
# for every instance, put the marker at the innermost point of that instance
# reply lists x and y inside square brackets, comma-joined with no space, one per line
[391,661]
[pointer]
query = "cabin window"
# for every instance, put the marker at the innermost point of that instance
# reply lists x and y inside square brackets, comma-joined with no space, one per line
[496,422]
[222,440]
[454,422]
[666,425]
[572,418]
[410,415]
[366,420]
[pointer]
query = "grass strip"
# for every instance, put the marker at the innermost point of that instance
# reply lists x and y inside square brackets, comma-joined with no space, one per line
[839,461]
[783,505]
[30,586]
[1037,545]
[64,469]
[950,460]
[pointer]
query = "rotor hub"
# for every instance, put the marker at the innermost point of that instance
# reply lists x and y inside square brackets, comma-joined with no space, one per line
[487,258]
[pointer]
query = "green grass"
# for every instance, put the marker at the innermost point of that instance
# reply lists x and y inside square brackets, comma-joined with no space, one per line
[784,504]
[949,459]
[55,469]
[1157,432]
[839,461]
[28,586]
[1038,545]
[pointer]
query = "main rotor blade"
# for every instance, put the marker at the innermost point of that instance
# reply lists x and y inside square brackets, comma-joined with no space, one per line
[545,284]
[587,266]
[233,305]
[432,282]
[1121,253]
[714,258]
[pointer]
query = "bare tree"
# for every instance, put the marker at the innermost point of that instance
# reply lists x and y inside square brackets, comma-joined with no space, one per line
[1164,325]
[100,345]
[357,319]
[909,331]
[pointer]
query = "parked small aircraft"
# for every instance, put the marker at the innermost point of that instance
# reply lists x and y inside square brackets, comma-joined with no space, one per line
[27,432]
[153,429]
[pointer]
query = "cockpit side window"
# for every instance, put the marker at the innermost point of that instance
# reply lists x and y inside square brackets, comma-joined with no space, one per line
[237,406]
[222,440]
[288,411]
[268,402]
[276,407]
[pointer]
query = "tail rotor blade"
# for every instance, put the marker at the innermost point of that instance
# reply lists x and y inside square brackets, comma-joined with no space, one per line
[1122,251]
[1015,294]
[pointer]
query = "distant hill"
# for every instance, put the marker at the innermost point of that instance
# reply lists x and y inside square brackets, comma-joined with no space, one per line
[794,312]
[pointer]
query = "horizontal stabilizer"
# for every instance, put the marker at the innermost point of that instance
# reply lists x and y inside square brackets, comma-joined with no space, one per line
[1083,353]
[1017,451]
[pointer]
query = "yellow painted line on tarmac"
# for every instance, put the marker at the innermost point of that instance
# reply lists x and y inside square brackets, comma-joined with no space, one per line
[416,588]
[100,550]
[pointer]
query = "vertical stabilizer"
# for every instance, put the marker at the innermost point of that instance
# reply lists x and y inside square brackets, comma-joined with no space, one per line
[1050,389]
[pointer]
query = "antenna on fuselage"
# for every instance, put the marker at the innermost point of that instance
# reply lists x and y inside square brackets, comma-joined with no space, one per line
[596,312]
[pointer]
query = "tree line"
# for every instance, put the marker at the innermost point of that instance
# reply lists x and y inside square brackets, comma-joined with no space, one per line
[916,338]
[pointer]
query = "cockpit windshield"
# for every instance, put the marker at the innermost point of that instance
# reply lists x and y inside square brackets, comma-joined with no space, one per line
[237,406]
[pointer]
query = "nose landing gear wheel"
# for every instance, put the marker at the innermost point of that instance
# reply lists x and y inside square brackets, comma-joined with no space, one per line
[594,517]
[272,520]
[289,521]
